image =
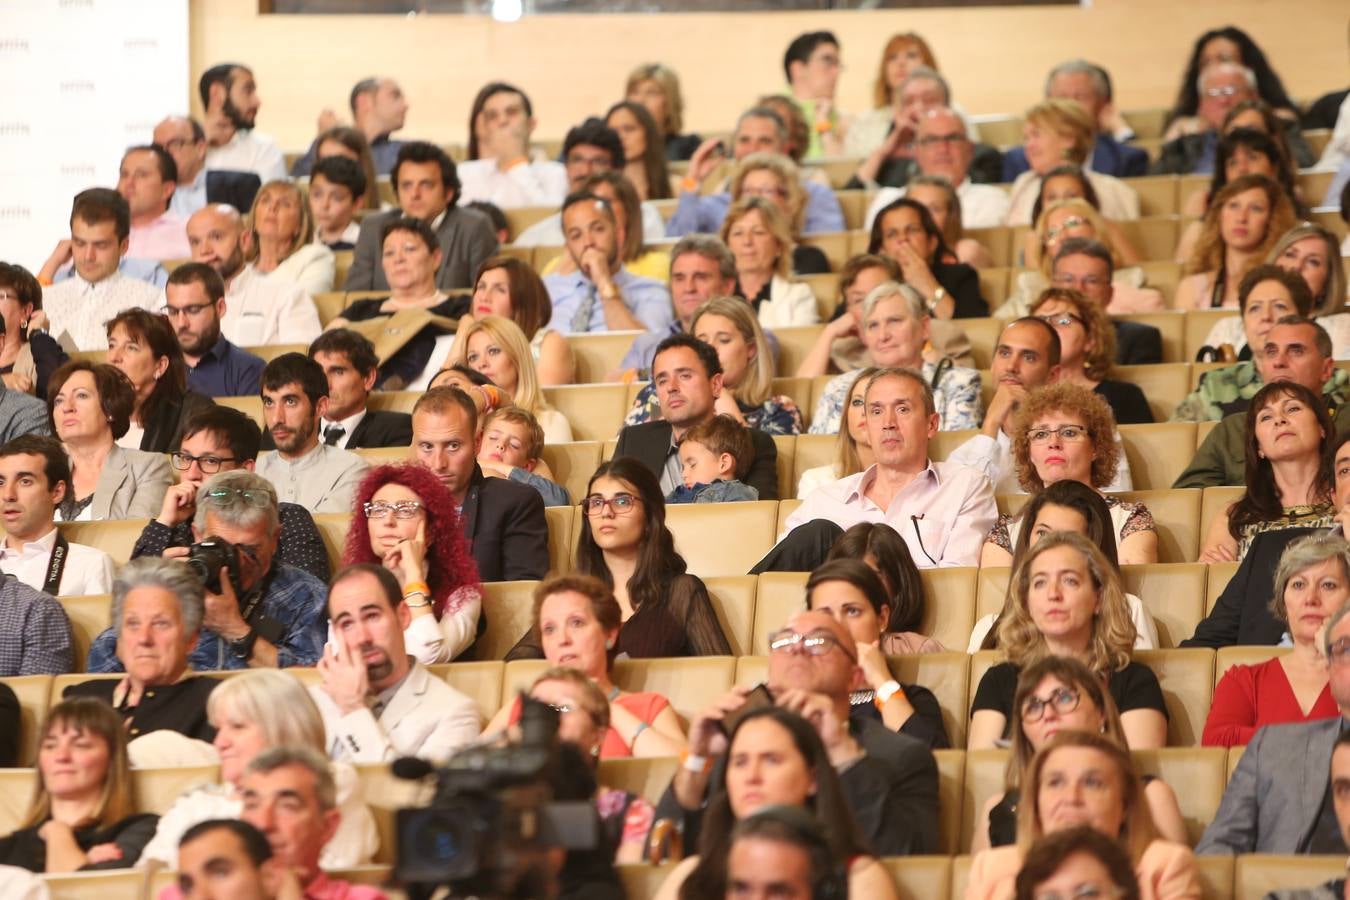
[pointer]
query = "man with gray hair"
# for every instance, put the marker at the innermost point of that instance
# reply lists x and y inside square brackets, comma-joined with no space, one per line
[259,613]
[1193,142]
[378,110]
[759,130]
[1088,85]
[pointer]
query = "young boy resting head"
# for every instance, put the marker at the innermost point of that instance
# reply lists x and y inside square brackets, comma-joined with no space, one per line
[714,456]
[510,448]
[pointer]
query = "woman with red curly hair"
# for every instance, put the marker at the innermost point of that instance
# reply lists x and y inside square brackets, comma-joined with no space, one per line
[406,521]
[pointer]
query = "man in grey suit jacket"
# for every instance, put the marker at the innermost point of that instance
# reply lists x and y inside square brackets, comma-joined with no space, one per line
[427,187]
[1279,799]
[377,702]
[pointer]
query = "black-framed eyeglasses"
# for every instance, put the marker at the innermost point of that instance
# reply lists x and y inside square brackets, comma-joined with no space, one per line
[224,496]
[932,140]
[402,509]
[621,504]
[209,464]
[816,643]
[1062,700]
[1069,434]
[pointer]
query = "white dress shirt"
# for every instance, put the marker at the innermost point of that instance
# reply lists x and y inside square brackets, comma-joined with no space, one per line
[348,424]
[78,308]
[249,151]
[87,570]
[982,205]
[261,310]
[540,182]
[324,480]
[995,459]
[420,716]
[944,514]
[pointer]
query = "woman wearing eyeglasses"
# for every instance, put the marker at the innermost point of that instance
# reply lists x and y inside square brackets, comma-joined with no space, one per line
[1065,432]
[624,542]
[1087,352]
[1081,778]
[1061,694]
[142,345]
[1065,599]
[577,626]
[1311,583]
[1287,472]
[90,405]
[406,521]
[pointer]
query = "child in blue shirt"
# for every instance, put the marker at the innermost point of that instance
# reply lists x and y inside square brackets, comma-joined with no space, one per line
[713,456]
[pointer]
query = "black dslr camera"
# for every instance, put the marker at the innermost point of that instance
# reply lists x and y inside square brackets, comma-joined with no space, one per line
[208,556]
[496,812]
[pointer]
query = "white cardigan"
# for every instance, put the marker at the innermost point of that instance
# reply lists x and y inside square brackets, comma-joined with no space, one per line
[789,303]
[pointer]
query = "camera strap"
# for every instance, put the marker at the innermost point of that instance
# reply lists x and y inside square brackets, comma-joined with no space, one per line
[267,627]
[56,566]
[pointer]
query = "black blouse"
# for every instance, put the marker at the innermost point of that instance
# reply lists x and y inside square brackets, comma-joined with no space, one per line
[26,850]
[962,282]
[925,725]
[1133,687]
[177,707]
[10,712]
[1127,401]
[808,260]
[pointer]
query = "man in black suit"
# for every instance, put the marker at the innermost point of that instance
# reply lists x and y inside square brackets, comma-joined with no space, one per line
[688,379]
[427,187]
[349,361]
[1086,266]
[185,141]
[504,520]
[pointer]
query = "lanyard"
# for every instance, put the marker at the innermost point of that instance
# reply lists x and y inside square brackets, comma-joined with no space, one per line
[56,565]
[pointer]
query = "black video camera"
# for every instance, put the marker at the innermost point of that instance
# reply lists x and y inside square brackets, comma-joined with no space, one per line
[208,556]
[496,812]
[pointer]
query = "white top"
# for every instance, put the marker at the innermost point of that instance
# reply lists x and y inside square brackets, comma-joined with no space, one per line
[78,308]
[261,309]
[324,480]
[354,844]
[421,716]
[815,477]
[995,459]
[312,266]
[537,183]
[439,359]
[1337,149]
[88,570]
[249,151]
[1118,199]
[548,232]
[430,640]
[132,439]
[557,430]
[1145,632]
[790,303]
[982,205]
[348,424]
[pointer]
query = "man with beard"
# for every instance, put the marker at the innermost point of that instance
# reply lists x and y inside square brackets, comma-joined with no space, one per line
[261,310]
[320,477]
[230,97]
[377,702]
[195,304]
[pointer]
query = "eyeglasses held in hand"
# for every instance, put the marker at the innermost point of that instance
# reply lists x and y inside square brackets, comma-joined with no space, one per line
[1069,434]
[621,504]
[403,509]
[209,465]
[1062,700]
[817,643]
[223,496]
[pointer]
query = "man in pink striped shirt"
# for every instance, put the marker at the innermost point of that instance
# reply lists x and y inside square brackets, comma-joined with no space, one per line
[147,179]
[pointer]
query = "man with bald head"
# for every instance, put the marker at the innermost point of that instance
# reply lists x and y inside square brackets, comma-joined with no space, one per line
[889,779]
[942,148]
[229,95]
[259,310]
[185,141]
[379,108]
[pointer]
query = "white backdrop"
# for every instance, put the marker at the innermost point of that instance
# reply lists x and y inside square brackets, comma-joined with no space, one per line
[80,81]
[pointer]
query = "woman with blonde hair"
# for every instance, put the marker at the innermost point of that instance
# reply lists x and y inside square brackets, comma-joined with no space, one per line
[497,348]
[1056,132]
[1066,599]
[1243,223]
[657,87]
[852,450]
[1313,251]
[1073,766]
[282,243]
[777,179]
[82,816]
[759,238]
[1087,352]
[510,288]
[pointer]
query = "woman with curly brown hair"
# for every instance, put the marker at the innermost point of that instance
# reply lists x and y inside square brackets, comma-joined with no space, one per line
[406,521]
[1065,599]
[1087,352]
[1065,432]
[1244,221]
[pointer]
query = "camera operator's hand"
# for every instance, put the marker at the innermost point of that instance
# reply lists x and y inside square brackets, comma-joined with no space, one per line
[176,552]
[819,710]
[222,610]
[345,679]
[180,503]
[706,739]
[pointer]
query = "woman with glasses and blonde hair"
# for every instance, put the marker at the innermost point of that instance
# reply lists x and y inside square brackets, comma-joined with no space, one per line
[578,625]
[1058,694]
[497,348]
[759,237]
[82,816]
[657,87]
[406,521]
[1066,599]
[282,245]
[1087,352]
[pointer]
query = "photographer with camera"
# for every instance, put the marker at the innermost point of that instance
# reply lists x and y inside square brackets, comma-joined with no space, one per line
[222,439]
[259,613]
[377,702]
[889,779]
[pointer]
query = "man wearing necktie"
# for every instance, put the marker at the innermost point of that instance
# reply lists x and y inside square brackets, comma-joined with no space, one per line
[349,361]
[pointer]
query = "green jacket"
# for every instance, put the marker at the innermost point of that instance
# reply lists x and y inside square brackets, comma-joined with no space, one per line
[1221,389]
[1221,459]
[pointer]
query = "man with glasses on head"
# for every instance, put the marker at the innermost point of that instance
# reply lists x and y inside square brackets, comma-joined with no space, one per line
[222,439]
[265,613]
[195,304]
[1278,799]
[889,779]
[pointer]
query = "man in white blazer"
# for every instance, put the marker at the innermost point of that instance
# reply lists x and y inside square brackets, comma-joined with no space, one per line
[377,702]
